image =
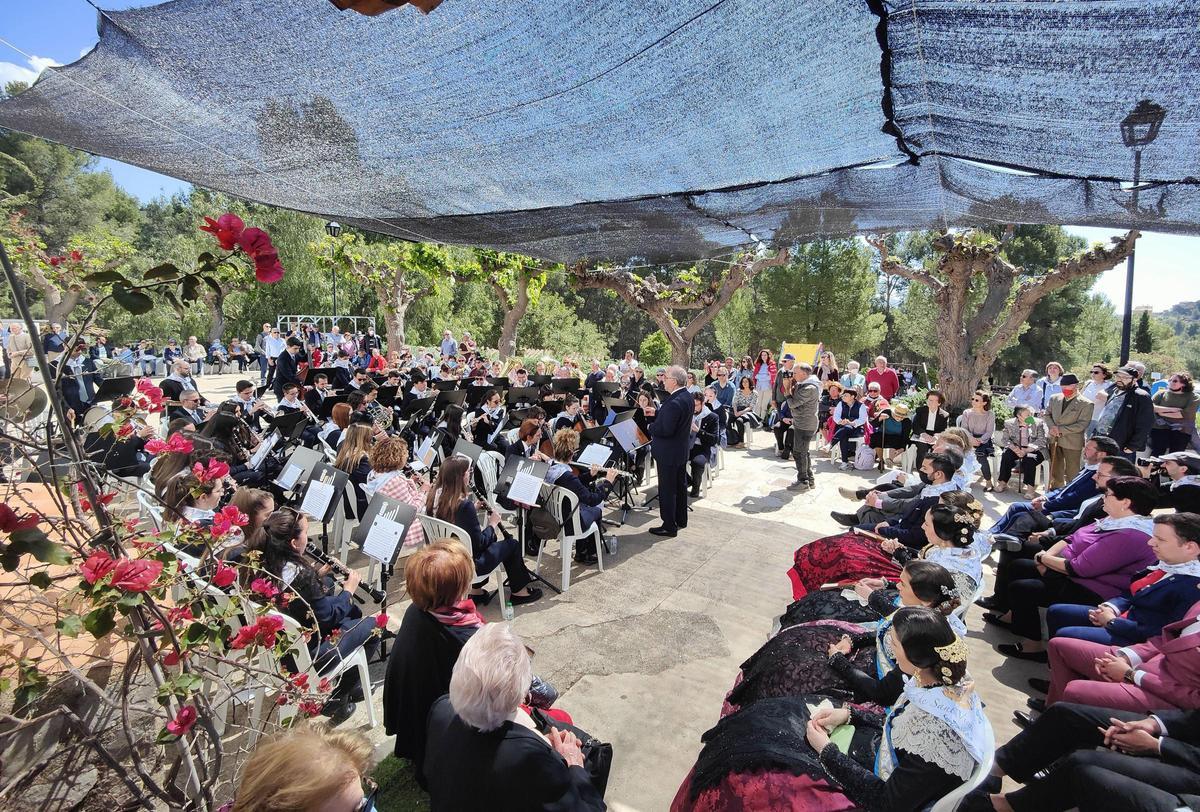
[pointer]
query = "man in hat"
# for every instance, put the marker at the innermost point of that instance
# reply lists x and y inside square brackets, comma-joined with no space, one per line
[1067,417]
[1128,414]
[1181,490]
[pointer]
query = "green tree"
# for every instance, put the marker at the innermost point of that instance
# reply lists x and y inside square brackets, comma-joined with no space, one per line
[1097,334]
[1143,342]
[733,326]
[516,281]
[655,350]
[559,330]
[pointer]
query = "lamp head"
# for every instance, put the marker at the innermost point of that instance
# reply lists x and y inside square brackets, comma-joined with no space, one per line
[334,229]
[1141,126]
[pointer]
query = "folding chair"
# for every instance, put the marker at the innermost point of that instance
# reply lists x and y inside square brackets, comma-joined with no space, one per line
[336,667]
[437,529]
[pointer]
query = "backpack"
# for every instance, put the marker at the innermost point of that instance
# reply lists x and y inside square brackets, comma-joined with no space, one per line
[864,458]
[543,524]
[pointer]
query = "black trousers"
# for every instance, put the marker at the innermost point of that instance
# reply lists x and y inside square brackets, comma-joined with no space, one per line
[783,436]
[1028,590]
[1061,741]
[672,496]
[1028,465]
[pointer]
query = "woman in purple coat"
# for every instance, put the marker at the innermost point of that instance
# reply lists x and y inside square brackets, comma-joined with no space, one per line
[1093,564]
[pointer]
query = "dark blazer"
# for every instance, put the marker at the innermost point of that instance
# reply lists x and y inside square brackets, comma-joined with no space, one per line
[920,419]
[908,528]
[1184,499]
[706,438]
[418,672]
[1073,494]
[1065,527]
[313,399]
[117,456]
[286,366]
[510,769]
[69,388]
[593,495]
[1151,607]
[1132,427]
[175,412]
[670,433]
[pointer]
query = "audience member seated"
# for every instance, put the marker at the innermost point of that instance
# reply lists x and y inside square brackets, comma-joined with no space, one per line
[187,498]
[980,422]
[1092,565]
[1024,448]
[388,458]
[849,417]
[450,500]
[1180,480]
[929,420]
[1096,759]
[484,751]
[778,753]
[591,493]
[704,439]
[307,768]
[744,413]
[1160,594]
[892,430]
[285,535]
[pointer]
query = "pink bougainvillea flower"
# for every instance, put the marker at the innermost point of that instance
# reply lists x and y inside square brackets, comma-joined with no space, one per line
[213,471]
[223,576]
[300,681]
[228,229]
[55,261]
[77,256]
[255,241]
[325,685]
[309,708]
[267,268]
[135,575]
[262,586]
[125,430]
[180,613]
[183,721]
[11,521]
[381,620]
[176,444]
[244,637]
[97,565]
[226,519]
[173,657]
[283,600]
[261,632]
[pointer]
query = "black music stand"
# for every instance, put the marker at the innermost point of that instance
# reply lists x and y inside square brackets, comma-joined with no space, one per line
[319,499]
[565,386]
[447,396]
[313,372]
[465,448]
[290,426]
[386,395]
[500,383]
[297,469]
[329,402]
[113,388]
[540,380]
[475,395]
[513,465]
[527,395]
[380,536]
[446,386]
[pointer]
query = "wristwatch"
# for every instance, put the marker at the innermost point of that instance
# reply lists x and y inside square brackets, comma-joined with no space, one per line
[1129,676]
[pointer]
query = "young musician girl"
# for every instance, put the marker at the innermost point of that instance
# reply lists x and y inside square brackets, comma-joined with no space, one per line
[353,458]
[487,423]
[450,428]
[450,500]
[571,416]
[529,440]
[189,500]
[282,540]
[333,430]
[591,490]
[258,505]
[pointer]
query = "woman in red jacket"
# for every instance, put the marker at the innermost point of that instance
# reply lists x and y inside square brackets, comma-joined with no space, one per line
[764,381]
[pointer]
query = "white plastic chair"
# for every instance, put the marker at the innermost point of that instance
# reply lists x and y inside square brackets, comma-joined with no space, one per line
[488,465]
[436,529]
[149,510]
[950,801]
[564,507]
[335,668]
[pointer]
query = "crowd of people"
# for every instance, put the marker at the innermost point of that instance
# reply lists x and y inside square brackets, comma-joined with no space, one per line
[867,674]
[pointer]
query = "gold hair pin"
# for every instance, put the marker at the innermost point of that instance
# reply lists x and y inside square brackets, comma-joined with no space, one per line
[954,651]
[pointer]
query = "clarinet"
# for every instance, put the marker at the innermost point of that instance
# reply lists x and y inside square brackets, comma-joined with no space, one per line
[341,571]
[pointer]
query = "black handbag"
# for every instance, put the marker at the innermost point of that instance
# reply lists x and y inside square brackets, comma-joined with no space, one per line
[597,755]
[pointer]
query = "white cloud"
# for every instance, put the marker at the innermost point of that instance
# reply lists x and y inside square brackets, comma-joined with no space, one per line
[12,72]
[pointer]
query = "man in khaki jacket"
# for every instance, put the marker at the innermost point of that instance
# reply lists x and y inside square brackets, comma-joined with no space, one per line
[1067,417]
[20,350]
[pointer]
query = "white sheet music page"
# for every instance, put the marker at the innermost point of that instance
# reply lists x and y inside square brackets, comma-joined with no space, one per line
[594,454]
[289,476]
[317,499]
[382,539]
[525,488]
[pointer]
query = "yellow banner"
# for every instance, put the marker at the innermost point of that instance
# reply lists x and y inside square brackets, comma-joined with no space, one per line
[805,353]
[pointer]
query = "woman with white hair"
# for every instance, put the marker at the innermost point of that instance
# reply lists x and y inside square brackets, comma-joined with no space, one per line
[484,751]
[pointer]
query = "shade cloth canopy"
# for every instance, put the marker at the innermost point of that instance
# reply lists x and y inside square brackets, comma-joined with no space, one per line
[659,130]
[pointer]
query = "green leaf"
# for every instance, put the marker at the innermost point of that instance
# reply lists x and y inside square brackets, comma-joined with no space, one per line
[189,289]
[99,621]
[130,600]
[166,737]
[134,301]
[70,626]
[196,632]
[36,543]
[105,276]
[40,579]
[214,284]
[164,271]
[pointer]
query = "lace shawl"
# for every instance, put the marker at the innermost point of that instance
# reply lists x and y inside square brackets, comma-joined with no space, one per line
[944,726]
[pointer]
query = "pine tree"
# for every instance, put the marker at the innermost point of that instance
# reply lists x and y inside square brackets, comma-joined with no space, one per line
[1142,340]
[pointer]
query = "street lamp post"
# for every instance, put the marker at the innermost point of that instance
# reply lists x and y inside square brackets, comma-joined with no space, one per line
[334,229]
[1138,129]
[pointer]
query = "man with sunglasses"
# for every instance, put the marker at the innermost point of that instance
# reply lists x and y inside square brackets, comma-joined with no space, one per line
[1128,414]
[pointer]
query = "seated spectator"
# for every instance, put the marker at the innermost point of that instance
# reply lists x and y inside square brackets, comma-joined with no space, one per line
[849,417]
[1094,759]
[874,401]
[929,420]
[830,397]
[307,768]
[1092,565]
[1024,447]
[705,428]
[980,423]
[893,428]
[852,379]
[745,410]
[1159,595]
[484,751]
[1181,472]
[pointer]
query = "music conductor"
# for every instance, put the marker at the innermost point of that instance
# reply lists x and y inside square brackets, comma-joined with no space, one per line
[670,438]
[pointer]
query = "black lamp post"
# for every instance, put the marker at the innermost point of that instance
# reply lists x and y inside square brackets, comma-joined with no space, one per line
[334,229]
[1138,129]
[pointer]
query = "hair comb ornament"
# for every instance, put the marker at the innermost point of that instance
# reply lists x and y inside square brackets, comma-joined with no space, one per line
[954,651]
[950,592]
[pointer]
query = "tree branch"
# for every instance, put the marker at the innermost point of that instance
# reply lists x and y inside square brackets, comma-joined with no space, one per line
[893,266]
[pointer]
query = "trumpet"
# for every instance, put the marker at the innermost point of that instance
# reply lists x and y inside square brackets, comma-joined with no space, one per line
[340,571]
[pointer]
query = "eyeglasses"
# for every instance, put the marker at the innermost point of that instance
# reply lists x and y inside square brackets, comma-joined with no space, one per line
[977,400]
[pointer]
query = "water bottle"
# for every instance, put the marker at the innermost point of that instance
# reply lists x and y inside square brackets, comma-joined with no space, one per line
[506,607]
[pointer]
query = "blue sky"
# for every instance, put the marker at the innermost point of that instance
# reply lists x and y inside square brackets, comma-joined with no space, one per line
[60,31]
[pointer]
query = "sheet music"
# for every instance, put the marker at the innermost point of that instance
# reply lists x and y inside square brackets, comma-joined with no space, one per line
[289,476]
[260,453]
[426,452]
[525,488]
[595,454]
[384,535]
[317,499]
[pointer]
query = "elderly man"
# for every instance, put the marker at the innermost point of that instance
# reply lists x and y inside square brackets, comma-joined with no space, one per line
[179,381]
[886,377]
[1067,417]
[20,350]
[195,353]
[1128,414]
[786,365]
[449,346]
[670,437]
[1026,393]
[803,394]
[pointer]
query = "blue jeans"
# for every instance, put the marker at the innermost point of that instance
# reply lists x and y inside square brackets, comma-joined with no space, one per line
[262,366]
[149,366]
[1071,620]
[1014,510]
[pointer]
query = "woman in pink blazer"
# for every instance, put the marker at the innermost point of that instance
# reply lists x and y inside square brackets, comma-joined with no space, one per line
[1163,672]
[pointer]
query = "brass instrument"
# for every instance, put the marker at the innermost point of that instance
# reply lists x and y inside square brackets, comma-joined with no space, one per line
[383,418]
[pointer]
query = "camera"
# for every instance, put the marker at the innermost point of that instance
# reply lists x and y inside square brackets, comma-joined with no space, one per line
[786,374]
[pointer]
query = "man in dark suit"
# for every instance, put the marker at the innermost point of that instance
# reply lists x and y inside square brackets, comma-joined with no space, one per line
[315,397]
[1152,761]
[1128,415]
[188,408]
[287,367]
[670,435]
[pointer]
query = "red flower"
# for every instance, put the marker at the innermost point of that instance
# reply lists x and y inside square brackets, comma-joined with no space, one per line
[213,471]
[98,565]
[255,241]
[261,632]
[135,575]
[267,268]
[284,599]
[264,587]
[224,576]
[125,431]
[325,685]
[310,708]
[183,721]
[11,522]
[77,256]
[228,229]
[173,657]
[228,518]
[300,681]
[151,396]
[244,637]
[55,261]
[177,444]
[178,613]
[381,620]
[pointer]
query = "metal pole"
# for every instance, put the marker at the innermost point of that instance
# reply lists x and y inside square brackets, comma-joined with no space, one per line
[1127,321]
[333,273]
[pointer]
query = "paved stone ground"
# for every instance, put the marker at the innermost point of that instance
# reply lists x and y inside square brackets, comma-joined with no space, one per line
[644,653]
